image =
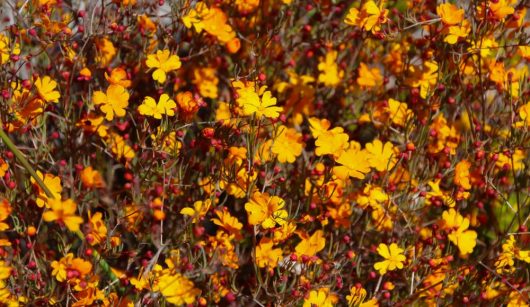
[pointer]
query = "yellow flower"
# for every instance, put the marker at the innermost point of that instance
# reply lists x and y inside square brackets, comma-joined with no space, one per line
[85,74]
[46,89]
[113,102]
[524,114]
[238,188]
[187,104]
[266,210]
[53,183]
[91,178]
[369,77]
[264,153]
[166,142]
[356,297]
[340,214]
[436,192]
[118,76]
[69,263]
[5,270]
[287,144]
[59,267]
[199,210]
[228,222]
[3,167]
[146,24]
[164,62]
[425,78]
[321,298]
[105,51]
[246,6]
[6,50]
[399,112]
[93,123]
[515,161]
[354,162]
[462,176]
[330,74]
[119,147]
[97,229]
[485,45]
[318,126]
[63,212]
[354,18]
[375,15]
[501,8]
[394,258]
[332,142]
[195,17]
[518,298]
[236,156]
[5,211]
[177,289]
[150,107]
[206,81]
[381,157]
[212,20]
[524,51]
[456,226]
[224,249]
[125,2]
[510,252]
[370,303]
[310,246]
[450,13]
[283,232]
[266,255]
[252,103]
[369,18]
[456,32]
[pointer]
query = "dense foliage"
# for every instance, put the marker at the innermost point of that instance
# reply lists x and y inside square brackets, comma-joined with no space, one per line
[264,152]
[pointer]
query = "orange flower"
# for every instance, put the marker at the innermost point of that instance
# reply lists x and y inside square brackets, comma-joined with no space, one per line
[206,80]
[92,178]
[3,167]
[106,51]
[118,76]
[5,211]
[187,104]
[450,13]
[69,266]
[97,229]
[369,77]
[462,176]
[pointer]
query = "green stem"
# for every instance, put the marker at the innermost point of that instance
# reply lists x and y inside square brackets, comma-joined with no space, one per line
[24,162]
